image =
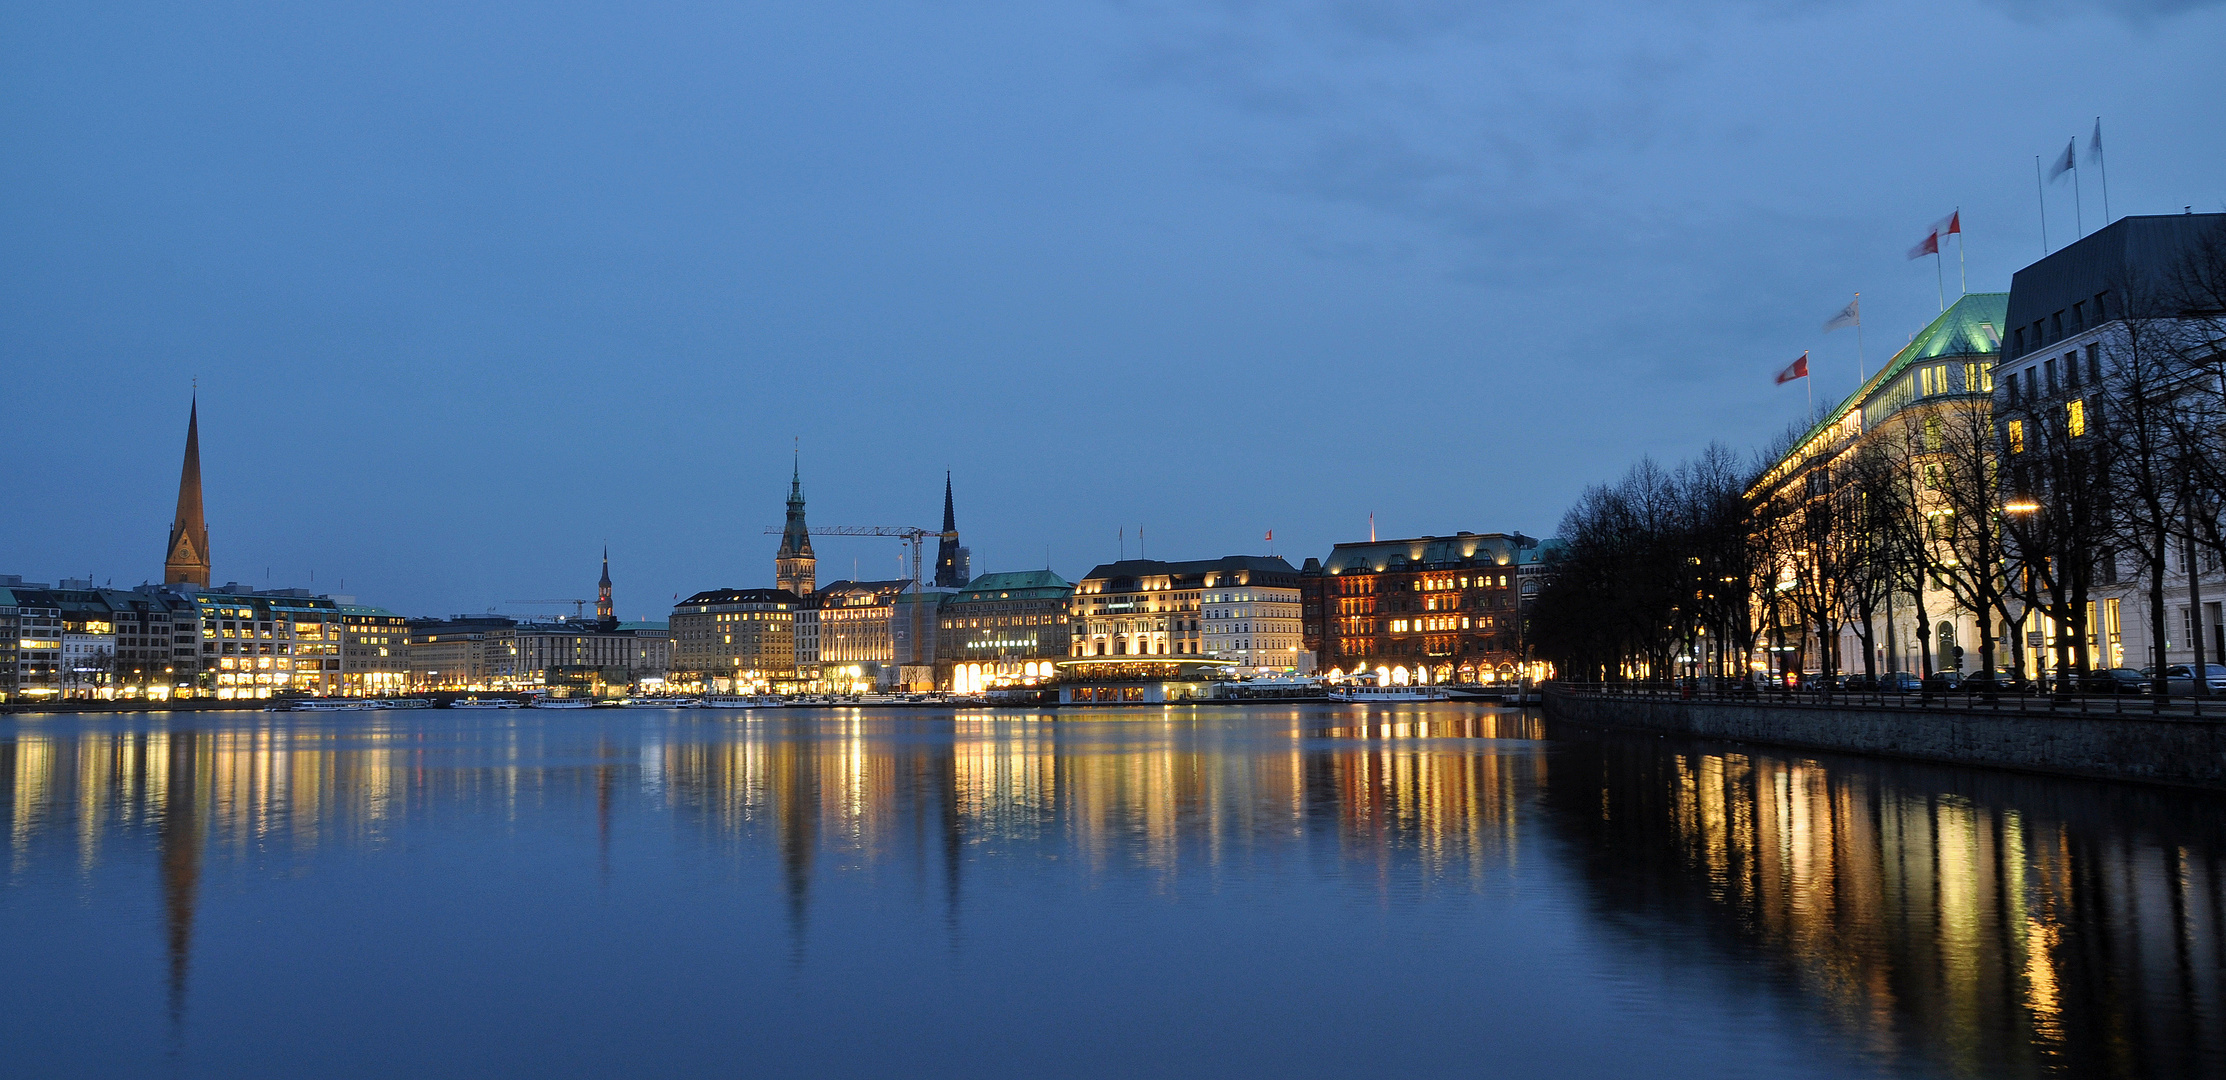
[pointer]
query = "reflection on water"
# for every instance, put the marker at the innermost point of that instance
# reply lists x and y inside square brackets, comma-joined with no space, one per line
[1914,920]
[1984,923]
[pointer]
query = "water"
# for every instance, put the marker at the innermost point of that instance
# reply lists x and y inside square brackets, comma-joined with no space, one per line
[1295,891]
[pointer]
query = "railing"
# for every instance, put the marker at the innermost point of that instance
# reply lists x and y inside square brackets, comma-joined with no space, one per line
[1934,699]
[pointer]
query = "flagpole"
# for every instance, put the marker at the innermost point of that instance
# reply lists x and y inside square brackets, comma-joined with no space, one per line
[2105,167]
[2078,211]
[2041,187]
[1862,366]
[1939,277]
[1962,276]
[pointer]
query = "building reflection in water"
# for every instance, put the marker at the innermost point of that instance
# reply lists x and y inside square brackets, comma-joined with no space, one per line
[1986,923]
[1946,920]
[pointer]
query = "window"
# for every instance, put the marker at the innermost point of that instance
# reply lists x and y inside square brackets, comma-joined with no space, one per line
[2075,418]
[2050,363]
[1932,477]
[2017,436]
[1978,379]
[2094,364]
[2071,370]
[2017,342]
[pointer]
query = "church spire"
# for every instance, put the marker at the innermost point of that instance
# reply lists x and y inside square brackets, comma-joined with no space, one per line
[605,612]
[952,569]
[188,560]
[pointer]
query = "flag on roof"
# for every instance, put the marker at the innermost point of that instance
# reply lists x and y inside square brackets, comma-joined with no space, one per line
[1799,369]
[1930,245]
[1851,315]
[2094,145]
[2066,163]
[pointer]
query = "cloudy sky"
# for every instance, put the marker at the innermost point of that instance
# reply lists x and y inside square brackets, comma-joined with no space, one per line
[472,289]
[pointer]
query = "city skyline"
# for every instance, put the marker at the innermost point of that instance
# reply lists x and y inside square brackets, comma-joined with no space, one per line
[530,315]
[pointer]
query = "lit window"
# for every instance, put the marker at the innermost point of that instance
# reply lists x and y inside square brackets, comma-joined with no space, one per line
[2075,418]
[2017,436]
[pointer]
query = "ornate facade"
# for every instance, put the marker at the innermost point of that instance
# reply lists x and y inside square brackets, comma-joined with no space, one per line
[795,569]
[187,561]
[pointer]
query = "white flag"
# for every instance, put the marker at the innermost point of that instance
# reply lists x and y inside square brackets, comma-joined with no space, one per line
[2065,163]
[2094,145]
[1851,315]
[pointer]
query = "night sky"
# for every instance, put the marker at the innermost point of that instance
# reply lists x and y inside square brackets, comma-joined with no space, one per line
[472,289]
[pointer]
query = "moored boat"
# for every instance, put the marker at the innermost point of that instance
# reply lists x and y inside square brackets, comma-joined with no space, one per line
[1388,695]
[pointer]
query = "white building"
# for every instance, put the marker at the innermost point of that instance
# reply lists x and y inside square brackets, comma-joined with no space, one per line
[1255,625]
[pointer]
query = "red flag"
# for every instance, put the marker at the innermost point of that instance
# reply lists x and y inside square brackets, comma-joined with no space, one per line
[1930,245]
[1799,369]
[1955,224]
[1271,536]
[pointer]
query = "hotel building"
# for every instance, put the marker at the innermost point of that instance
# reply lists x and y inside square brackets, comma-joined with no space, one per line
[1433,609]
[1002,629]
[729,639]
[374,651]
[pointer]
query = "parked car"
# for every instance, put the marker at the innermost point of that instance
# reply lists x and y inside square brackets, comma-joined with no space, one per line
[1899,682]
[2119,680]
[1861,684]
[1824,684]
[2179,679]
[1995,682]
[1942,682]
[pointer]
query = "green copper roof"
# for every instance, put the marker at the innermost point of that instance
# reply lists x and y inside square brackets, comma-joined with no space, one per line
[1971,327]
[1025,585]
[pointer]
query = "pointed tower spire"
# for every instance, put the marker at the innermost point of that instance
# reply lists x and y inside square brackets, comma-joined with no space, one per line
[606,613]
[794,566]
[188,560]
[951,569]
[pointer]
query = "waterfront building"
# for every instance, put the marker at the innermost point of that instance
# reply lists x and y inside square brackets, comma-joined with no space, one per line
[854,618]
[38,641]
[807,640]
[606,613]
[466,652]
[1252,620]
[727,639]
[916,652]
[155,637]
[1939,386]
[187,558]
[254,644]
[1426,609]
[795,568]
[618,654]
[10,625]
[2080,324]
[1145,607]
[374,651]
[1003,629]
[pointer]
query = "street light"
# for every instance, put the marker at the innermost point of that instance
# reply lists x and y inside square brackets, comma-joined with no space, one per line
[2021,506]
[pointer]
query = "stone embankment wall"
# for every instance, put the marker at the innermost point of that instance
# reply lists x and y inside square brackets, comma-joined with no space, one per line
[2131,746]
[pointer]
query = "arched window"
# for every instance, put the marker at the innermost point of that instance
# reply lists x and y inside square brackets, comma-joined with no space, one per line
[1943,640]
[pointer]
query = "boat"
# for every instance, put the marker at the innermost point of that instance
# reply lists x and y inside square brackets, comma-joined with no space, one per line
[1389,695]
[661,703]
[559,703]
[743,701]
[492,703]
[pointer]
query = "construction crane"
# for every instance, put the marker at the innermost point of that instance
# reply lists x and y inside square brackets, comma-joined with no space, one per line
[914,538]
[579,607]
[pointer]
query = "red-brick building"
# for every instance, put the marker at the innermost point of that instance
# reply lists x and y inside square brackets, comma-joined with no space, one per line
[1438,609]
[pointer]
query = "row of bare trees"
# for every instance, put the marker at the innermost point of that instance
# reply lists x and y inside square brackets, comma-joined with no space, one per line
[1998,508]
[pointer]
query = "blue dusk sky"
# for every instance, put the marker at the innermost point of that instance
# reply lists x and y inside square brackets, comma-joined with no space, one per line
[471,289]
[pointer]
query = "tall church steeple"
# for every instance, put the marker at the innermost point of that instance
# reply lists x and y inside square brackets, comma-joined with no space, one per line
[606,614]
[794,567]
[188,560]
[951,562]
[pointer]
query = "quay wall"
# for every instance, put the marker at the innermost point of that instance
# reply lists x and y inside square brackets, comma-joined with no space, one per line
[2156,749]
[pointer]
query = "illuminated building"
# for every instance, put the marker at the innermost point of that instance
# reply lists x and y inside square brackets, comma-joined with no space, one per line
[619,654]
[463,653]
[854,619]
[187,561]
[254,644]
[794,566]
[1434,609]
[1254,623]
[1001,628]
[374,651]
[734,638]
[10,627]
[1142,607]
[36,642]
[606,613]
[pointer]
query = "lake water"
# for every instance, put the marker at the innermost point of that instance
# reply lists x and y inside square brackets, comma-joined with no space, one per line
[1286,891]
